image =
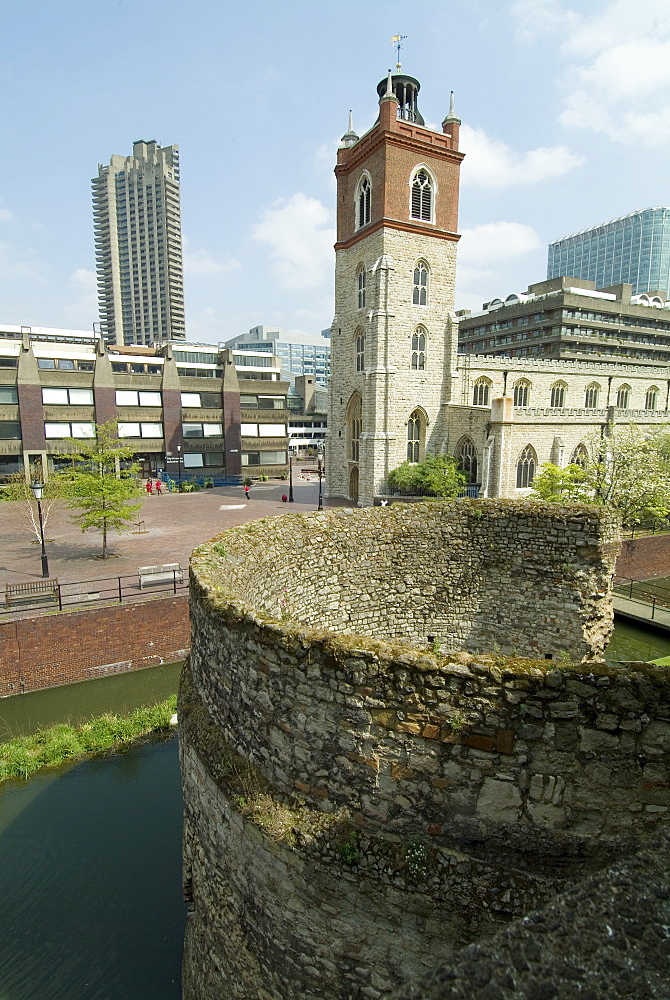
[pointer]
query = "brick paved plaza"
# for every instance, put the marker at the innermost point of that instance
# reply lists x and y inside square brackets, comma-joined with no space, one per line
[174,524]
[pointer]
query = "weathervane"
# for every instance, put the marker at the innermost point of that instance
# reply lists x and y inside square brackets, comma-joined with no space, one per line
[397,41]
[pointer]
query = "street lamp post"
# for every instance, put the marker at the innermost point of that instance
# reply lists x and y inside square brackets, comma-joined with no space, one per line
[290,477]
[38,489]
[179,465]
[320,470]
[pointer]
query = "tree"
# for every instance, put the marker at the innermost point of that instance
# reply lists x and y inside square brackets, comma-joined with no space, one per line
[99,490]
[436,476]
[625,470]
[19,490]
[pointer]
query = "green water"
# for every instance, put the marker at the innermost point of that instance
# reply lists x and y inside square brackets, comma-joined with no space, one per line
[75,703]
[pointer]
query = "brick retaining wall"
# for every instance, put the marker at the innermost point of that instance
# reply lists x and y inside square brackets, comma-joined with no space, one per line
[644,558]
[65,647]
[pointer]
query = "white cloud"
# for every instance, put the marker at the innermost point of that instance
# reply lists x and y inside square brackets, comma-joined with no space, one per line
[83,279]
[299,233]
[491,163]
[495,242]
[616,72]
[5,215]
[202,262]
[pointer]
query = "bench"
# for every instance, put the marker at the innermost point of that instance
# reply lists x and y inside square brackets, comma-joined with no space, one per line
[42,590]
[167,573]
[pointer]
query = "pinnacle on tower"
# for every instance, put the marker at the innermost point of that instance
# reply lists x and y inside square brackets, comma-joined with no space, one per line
[350,137]
[452,116]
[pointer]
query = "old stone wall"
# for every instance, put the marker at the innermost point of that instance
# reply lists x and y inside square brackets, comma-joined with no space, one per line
[358,807]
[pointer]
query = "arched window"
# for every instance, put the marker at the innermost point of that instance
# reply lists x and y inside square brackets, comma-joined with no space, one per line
[466,455]
[420,289]
[422,197]
[354,426]
[580,456]
[416,436]
[361,281]
[363,201]
[525,467]
[521,390]
[591,396]
[623,397]
[360,351]
[651,399]
[419,349]
[558,395]
[480,393]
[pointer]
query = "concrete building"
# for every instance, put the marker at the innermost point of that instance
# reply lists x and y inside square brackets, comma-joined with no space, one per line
[400,390]
[308,406]
[634,250]
[138,246]
[569,318]
[191,409]
[300,353]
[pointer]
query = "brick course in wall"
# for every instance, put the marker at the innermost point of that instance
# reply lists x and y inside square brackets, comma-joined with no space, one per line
[66,647]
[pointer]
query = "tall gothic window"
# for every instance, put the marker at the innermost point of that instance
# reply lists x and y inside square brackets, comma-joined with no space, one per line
[623,397]
[364,200]
[466,455]
[360,352]
[521,390]
[525,467]
[420,290]
[419,349]
[651,399]
[415,436]
[591,396]
[480,394]
[580,456]
[422,197]
[558,395]
[361,282]
[354,427]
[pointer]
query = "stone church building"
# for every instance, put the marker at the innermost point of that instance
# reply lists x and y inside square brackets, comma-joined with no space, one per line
[399,389]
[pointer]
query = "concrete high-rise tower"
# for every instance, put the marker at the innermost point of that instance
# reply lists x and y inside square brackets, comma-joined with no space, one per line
[393,349]
[137,222]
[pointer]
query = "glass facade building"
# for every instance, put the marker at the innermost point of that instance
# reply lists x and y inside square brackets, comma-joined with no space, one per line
[299,353]
[633,249]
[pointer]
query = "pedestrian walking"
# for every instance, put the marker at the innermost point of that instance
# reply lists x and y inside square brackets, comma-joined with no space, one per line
[246,492]
[149,488]
[158,486]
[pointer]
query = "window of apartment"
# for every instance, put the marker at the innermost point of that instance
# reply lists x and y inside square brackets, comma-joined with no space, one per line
[558,395]
[68,397]
[272,402]
[10,430]
[420,287]
[8,362]
[480,393]
[134,429]
[68,429]
[650,400]
[525,467]
[623,397]
[418,360]
[263,430]
[133,397]
[201,430]
[207,373]
[361,282]
[521,392]
[9,394]
[263,458]
[422,197]
[196,460]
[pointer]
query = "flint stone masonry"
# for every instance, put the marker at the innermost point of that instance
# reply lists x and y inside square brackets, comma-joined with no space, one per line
[495,780]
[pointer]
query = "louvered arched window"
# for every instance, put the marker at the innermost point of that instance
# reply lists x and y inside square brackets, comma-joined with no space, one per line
[521,392]
[623,397]
[361,282]
[360,351]
[354,427]
[363,202]
[480,392]
[558,395]
[591,396]
[422,197]
[651,399]
[525,467]
[420,289]
[419,349]
[466,455]
[416,436]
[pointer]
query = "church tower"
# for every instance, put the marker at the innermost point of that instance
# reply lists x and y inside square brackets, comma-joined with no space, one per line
[392,349]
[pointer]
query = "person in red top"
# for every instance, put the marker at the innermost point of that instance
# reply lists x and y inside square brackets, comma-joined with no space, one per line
[149,487]
[158,486]
[246,492]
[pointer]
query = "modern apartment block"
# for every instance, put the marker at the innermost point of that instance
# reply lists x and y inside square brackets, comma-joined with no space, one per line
[569,318]
[634,249]
[300,353]
[190,409]
[138,246]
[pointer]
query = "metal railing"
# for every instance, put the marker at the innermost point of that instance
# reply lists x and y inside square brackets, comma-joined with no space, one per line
[91,593]
[643,592]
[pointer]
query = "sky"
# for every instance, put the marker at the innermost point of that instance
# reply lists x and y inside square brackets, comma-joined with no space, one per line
[565,107]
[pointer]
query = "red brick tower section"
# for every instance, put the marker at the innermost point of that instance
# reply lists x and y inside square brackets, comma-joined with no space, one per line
[397,216]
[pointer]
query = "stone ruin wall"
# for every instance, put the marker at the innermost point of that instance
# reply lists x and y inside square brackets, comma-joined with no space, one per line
[427,797]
